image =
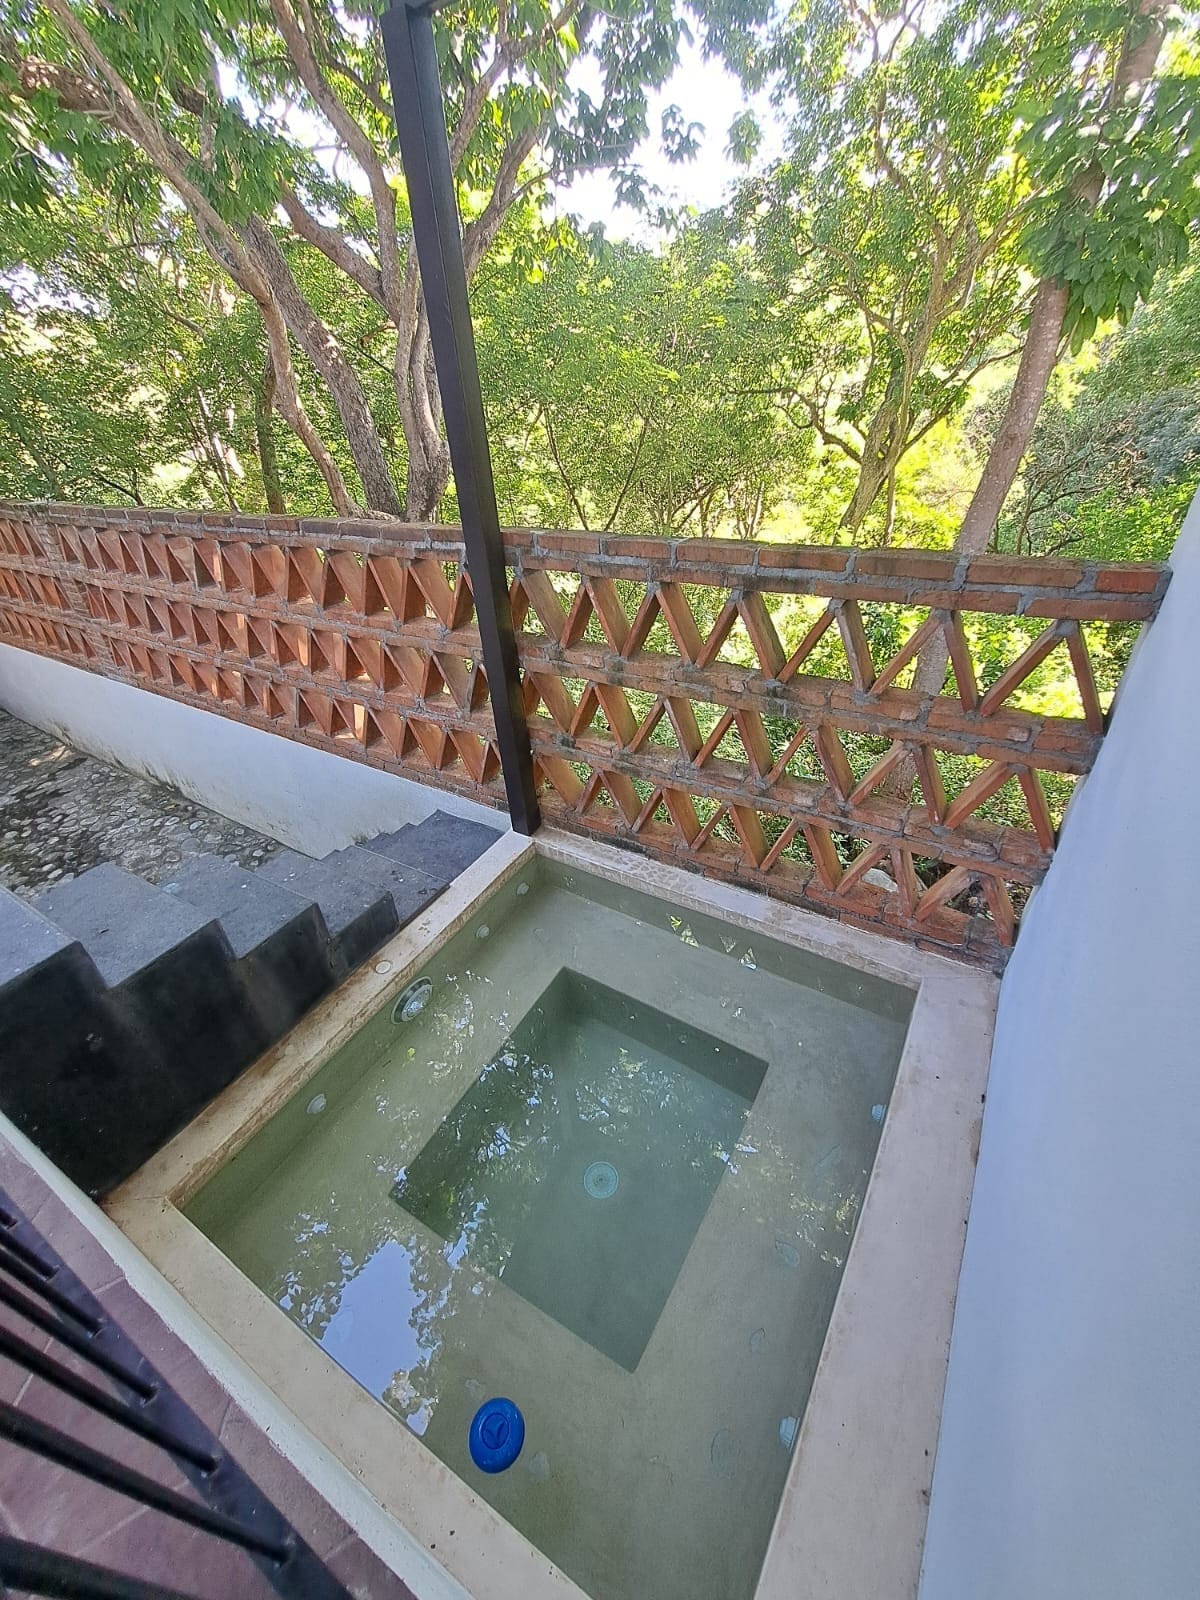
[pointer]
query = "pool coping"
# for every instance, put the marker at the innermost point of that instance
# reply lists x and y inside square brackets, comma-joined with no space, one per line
[851,1519]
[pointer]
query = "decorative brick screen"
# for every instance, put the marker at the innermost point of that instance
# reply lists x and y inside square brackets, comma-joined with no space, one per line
[722,704]
[741,708]
[357,637]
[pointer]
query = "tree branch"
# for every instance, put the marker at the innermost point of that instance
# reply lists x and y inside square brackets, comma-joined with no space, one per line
[300,43]
[332,244]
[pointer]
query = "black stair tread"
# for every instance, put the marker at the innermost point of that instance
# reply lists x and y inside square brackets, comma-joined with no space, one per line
[250,907]
[441,844]
[28,940]
[343,896]
[123,922]
[410,887]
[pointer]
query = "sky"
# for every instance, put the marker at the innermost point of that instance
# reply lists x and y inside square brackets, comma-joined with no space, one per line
[705,93]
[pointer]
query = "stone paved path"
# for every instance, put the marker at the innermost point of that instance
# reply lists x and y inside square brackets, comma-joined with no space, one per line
[62,812]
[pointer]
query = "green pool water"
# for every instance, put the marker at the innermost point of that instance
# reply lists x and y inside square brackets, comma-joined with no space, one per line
[611,1171]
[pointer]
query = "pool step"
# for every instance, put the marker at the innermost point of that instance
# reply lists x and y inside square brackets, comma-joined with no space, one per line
[169,970]
[163,1029]
[442,843]
[124,1008]
[363,898]
[282,946]
[61,1046]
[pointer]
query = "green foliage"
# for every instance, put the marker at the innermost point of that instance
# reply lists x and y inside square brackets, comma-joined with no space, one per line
[936,154]
[1116,459]
[806,362]
[1117,184]
[622,387]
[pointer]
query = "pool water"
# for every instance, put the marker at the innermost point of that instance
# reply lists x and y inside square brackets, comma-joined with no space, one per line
[580,1163]
[611,1171]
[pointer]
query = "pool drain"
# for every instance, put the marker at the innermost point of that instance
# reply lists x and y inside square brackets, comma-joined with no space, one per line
[413,1001]
[601,1180]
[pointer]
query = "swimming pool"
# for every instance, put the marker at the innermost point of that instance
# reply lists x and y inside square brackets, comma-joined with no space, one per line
[603,1155]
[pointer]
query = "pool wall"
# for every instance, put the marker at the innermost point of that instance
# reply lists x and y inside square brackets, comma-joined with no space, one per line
[851,1520]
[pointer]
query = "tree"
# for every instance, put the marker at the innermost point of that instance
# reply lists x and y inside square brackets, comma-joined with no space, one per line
[930,149]
[888,232]
[1115,459]
[133,371]
[616,377]
[1120,191]
[229,109]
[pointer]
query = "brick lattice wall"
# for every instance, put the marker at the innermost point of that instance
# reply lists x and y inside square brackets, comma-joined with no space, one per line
[721,704]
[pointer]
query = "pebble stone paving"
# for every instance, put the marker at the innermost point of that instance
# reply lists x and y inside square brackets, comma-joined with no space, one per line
[62,811]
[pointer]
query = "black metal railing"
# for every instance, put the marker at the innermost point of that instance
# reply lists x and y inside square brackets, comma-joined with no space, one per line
[40,1292]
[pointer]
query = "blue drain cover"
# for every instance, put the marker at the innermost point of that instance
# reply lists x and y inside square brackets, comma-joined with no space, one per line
[496,1436]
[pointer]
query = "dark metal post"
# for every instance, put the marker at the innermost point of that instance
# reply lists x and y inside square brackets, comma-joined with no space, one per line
[424,148]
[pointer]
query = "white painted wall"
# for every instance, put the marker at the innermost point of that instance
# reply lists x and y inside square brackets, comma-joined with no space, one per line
[1069,1461]
[310,799]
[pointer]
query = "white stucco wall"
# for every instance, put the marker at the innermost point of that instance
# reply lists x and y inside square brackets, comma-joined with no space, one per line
[1069,1460]
[310,799]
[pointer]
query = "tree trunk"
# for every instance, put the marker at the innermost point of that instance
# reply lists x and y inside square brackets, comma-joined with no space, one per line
[420,408]
[1139,55]
[1038,360]
[879,458]
[264,405]
[322,348]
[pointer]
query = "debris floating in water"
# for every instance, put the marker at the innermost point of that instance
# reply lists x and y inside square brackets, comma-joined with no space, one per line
[723,1453]
[316,1105]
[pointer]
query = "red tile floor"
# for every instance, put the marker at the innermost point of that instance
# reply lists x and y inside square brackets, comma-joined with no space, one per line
[54,1507]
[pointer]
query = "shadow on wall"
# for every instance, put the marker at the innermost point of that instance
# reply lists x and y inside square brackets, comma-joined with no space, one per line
[309,799]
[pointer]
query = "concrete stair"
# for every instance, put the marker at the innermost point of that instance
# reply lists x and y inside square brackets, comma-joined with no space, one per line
[124,1008]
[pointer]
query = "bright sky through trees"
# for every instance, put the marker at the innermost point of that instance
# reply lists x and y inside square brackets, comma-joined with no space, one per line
[707,93]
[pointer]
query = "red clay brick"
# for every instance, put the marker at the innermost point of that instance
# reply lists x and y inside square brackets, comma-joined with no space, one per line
[1100,609]
[1042,572]
[585,544]
[713,553]
[803,557]
[1141,577]
[931,566]
[638,547]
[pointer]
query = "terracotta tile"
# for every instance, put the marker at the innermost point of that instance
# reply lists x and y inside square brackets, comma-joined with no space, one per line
[173,1360]
[20,1180]
[74,1417]
[158,1549]
[53,1506]
[365,1575]
[69,1238]
[256,1453]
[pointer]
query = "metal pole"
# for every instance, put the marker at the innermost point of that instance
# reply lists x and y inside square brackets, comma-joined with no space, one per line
[425,151]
